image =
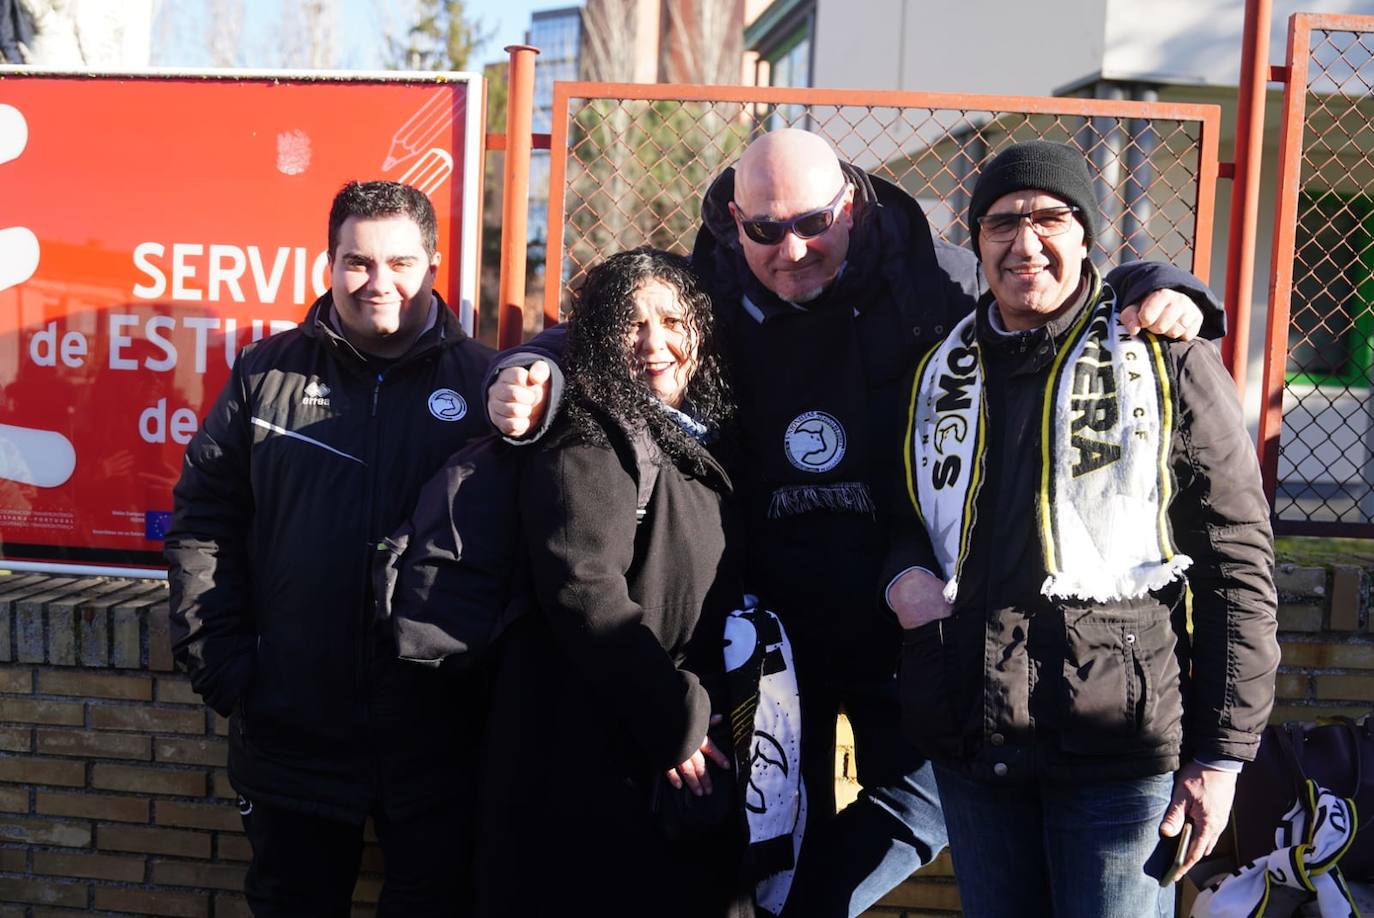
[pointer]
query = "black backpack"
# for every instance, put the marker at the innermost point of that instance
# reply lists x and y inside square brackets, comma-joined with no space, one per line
[450,578]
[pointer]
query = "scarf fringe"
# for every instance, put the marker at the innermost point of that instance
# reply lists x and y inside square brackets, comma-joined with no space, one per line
[1103,586]
[842,496]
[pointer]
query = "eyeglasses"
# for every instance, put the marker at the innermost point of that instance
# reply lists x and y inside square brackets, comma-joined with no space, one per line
[1047,221]
[806,226]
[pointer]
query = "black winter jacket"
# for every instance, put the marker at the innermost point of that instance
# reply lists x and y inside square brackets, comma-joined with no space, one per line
[306,461]
[820,569]
[600,687]
[1015,685]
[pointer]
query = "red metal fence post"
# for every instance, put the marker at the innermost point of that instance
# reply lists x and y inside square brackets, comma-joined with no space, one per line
[1240,260]
[515,204]
[1285,244]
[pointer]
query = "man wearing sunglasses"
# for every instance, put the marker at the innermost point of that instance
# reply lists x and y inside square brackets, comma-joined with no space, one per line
[1048,668]
[828,286]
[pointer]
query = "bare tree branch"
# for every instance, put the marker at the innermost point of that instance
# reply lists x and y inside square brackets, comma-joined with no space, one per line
[704,41]
[609,28]
[307,31]
[224,32]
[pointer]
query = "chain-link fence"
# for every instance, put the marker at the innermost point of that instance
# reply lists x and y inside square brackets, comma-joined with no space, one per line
[1322,476]
[631,162]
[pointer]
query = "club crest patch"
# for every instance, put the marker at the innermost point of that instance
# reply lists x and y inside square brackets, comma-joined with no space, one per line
[814,442]
[447,405]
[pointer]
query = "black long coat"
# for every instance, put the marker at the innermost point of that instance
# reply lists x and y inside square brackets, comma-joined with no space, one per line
[602,688]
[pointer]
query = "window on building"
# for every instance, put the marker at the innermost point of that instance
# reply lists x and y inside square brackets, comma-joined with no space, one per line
[783,36]
[558,36]
[1330,321]
[790,63]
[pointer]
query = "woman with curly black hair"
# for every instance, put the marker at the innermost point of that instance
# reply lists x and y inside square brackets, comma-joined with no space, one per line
[603,693]
[616,305]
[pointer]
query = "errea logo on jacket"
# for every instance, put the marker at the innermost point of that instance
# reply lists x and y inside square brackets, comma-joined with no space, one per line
[316,393]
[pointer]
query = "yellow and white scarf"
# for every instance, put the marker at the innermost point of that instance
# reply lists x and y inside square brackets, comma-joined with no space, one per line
[1106,427]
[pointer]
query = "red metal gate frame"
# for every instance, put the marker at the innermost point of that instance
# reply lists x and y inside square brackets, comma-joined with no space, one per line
[1208,116]
[1294,75]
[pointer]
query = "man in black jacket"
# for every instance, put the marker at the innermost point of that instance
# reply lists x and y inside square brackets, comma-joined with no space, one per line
[315,450]
[828,285]
[1070,482]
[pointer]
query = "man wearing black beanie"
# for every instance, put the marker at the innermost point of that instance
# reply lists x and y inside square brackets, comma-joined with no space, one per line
[1067,483]
[1049,167]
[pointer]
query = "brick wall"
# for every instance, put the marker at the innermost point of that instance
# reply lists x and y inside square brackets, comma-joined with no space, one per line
[113,791]
[114,797]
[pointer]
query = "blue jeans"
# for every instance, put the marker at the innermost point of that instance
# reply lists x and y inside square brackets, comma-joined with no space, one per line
[1073,850]
[851,859]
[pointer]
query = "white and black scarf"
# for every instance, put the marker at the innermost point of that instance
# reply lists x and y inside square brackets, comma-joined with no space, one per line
[1303,867]
[765,728]
[1106,429]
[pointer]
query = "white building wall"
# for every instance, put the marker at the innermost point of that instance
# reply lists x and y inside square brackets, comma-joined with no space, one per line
[1195,41]
[1037,49]
[987,46]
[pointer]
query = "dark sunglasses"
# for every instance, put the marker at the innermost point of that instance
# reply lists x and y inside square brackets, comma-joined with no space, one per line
[806,226]
[1047,221]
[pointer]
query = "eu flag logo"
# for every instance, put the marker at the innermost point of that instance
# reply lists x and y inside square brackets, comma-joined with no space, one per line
[155,524]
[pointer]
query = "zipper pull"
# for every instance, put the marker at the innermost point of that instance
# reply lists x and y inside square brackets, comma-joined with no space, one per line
[376,392]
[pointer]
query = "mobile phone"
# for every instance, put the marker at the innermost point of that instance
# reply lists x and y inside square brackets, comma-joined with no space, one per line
[1175,870]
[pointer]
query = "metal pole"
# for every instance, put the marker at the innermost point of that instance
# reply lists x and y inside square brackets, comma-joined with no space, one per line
[515,204]
[1281,261]
[1138,210]
[1109,158]
[1240,260]
[969,155]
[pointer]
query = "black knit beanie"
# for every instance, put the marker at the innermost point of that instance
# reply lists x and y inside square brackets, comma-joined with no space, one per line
[1054,168]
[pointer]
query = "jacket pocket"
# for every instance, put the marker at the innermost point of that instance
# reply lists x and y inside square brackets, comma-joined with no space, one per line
[1113,664]
[927,690]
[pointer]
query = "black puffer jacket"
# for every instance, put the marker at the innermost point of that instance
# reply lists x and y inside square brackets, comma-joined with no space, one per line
[306,461]
[1014,685]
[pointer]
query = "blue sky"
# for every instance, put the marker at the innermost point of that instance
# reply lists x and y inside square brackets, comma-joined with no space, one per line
[510,18]
[180,37]
[361,20]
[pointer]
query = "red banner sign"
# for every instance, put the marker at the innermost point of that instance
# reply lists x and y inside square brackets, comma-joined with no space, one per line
[152,226]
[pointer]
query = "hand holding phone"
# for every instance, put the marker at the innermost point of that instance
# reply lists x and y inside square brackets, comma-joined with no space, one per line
[1175,871]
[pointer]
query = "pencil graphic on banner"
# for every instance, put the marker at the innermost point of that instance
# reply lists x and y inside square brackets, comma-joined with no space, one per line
[429,121]
[429,171]
[35,457]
